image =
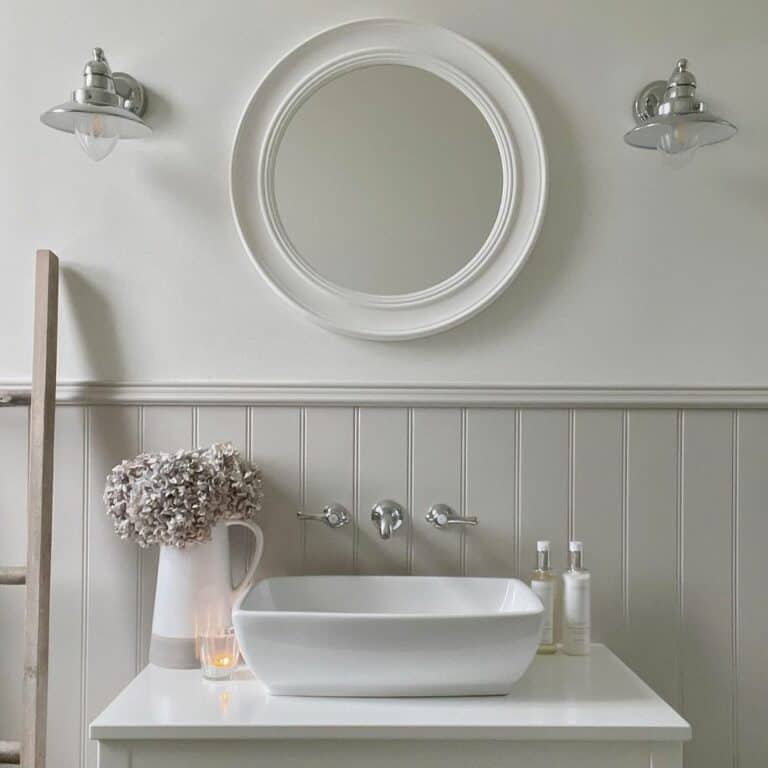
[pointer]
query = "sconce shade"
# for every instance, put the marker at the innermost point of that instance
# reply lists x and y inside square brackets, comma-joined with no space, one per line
[67,116]
[107,107]
[709,129]
[671,118]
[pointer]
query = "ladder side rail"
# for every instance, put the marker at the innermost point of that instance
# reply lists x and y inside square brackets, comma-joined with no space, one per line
[42,414]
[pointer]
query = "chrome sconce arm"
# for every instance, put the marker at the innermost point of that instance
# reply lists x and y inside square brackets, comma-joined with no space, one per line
[441,516]
[334,516]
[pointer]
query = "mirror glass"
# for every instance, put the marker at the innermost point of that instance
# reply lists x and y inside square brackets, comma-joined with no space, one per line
[387,180]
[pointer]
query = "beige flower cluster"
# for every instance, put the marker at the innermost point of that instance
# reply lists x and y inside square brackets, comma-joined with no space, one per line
[176,498]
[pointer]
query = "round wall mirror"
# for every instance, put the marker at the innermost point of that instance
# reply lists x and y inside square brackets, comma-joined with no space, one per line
[388,178]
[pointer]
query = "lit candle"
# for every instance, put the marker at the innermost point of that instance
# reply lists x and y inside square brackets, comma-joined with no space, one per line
[219,653]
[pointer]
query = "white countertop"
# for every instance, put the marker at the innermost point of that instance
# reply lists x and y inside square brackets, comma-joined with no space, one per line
[594,698]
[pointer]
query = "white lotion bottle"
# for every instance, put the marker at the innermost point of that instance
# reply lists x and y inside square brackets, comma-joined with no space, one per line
[576,603]
[543,584]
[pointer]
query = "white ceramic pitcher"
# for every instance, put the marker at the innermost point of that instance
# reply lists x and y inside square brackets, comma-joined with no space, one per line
[194,590]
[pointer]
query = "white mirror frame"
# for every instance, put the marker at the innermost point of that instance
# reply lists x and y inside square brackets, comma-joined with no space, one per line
[524,178]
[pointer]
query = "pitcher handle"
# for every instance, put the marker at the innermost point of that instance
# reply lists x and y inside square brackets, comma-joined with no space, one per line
[240,590]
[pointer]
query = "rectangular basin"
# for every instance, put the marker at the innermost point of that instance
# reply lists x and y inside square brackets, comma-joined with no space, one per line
[388,635]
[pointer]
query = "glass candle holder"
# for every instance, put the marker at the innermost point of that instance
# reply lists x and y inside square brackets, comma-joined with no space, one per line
[219,653]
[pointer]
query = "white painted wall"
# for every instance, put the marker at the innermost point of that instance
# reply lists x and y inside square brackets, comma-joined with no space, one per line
[642,275]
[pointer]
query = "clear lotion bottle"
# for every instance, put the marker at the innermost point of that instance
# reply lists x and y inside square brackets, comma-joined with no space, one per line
[543,584]
[576,603]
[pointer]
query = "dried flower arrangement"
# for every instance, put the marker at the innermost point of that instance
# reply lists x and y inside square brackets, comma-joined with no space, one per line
[176,498]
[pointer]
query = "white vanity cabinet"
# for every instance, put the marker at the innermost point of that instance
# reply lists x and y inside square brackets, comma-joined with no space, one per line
[580,712]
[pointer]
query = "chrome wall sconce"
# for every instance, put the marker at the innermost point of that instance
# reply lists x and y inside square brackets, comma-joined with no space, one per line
[671,119]
[109,106]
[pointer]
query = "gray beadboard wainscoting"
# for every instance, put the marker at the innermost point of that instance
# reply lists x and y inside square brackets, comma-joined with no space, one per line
[670,502]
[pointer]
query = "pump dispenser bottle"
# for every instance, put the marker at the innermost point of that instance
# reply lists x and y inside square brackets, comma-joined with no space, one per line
[543,584]
[576,603]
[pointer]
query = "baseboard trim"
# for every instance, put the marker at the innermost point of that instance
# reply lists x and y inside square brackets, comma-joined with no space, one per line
[459,395]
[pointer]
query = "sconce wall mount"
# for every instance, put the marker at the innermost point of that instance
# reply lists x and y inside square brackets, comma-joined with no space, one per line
[108,106]
[671,118]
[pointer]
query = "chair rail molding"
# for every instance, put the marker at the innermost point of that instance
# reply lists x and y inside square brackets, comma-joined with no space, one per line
[422,394]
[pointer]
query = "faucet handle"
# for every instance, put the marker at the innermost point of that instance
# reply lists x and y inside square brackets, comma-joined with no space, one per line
[334,515]
[441,516]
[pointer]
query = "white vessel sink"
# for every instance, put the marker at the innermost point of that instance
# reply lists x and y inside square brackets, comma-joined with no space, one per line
[388,635]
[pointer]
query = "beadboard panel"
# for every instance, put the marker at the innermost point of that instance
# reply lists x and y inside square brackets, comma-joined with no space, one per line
[545,498]
[751,607]
[599,514]
[112,647]
[670,503]
[490,459]
[653,567]
[707,509]
[13,548]
[67,661]
[437,477]
[328,476]
[276,441]
[382,473]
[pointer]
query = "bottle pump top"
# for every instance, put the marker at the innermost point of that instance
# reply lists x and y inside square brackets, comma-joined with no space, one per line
[542,555]
[575,555]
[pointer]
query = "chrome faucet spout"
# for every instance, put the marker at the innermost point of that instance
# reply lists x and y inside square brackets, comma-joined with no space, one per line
[387,516]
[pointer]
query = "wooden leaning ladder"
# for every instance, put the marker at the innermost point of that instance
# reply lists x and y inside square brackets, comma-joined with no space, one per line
[30,751]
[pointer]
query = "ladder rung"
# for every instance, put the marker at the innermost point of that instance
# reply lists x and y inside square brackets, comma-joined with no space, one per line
[12,574]
[10,752]
[14,398]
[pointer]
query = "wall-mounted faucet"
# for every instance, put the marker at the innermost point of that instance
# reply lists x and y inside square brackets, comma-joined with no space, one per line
[387,516]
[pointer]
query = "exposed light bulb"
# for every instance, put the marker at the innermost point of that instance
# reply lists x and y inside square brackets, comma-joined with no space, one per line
[679,143]
[97,135]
